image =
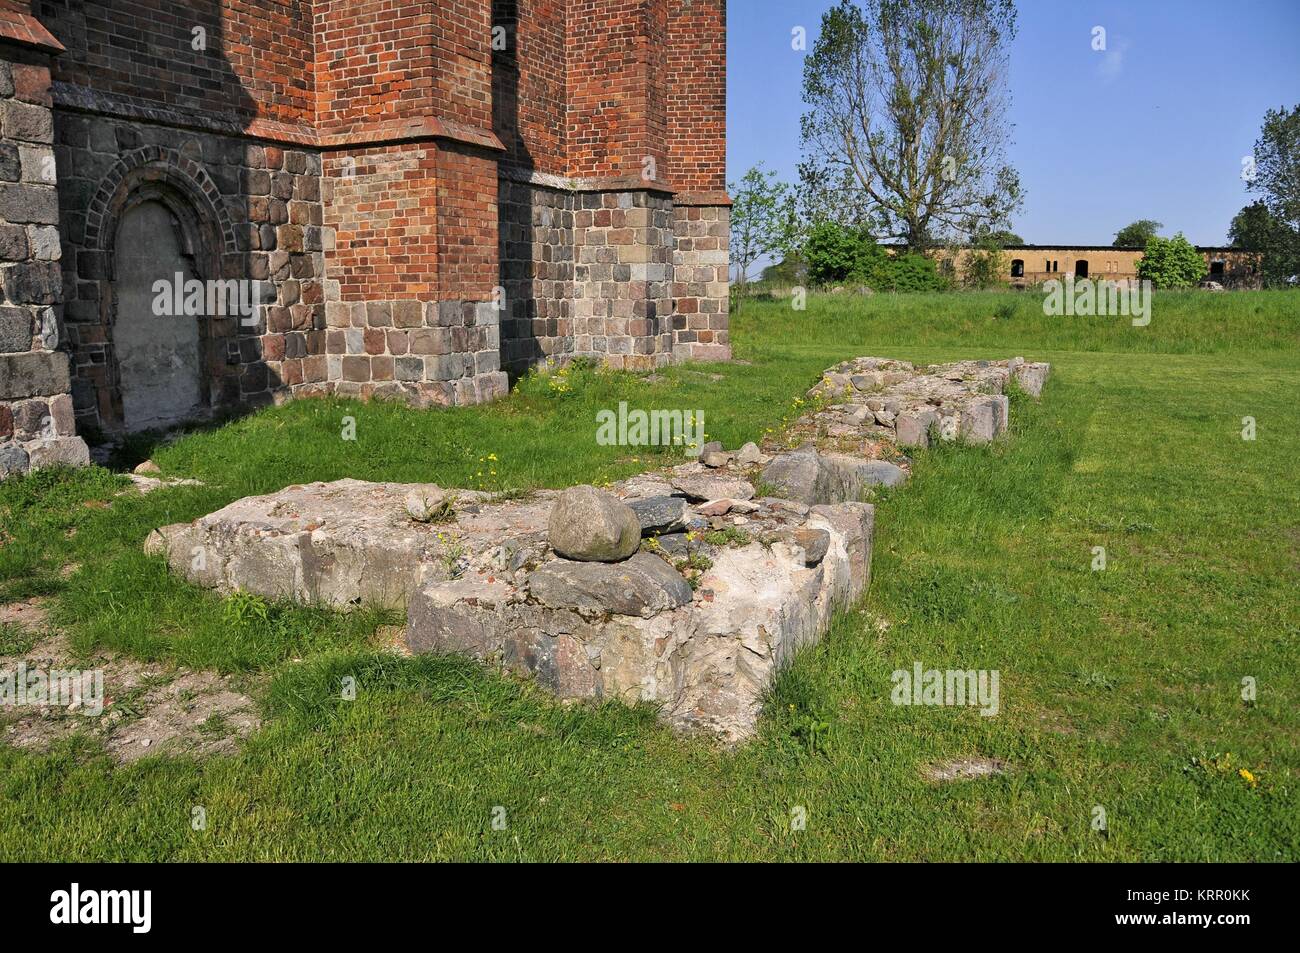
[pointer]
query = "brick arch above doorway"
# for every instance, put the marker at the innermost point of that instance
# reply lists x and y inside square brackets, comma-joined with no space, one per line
[157,164]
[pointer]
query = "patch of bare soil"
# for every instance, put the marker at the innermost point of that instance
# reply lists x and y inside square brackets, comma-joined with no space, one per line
[392,638]
[147,708]
[962,769]
[28,614]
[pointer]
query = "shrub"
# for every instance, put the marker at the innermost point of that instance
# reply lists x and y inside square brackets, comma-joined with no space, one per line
[908,273]
[790,270]
[1171,262]
[985,267]
[838,253]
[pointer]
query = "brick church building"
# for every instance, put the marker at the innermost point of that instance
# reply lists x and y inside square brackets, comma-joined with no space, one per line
[426,195]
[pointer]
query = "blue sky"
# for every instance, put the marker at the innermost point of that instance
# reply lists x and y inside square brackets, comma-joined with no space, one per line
[1155,127]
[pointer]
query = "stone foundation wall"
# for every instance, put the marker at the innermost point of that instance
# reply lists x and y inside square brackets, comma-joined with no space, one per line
[623,244]
[251,211]
[36,419]
[701,261]
[620,276]
[624,277]
[428,352]
[536,248]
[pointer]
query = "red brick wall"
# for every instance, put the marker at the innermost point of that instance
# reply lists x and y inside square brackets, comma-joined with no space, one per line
[467,223]
[381,64]
[384,212]
[374,62]
[616,110]
[696,91]
[529,83]
[256,62]
[586,87]
[462,79]
[413,220]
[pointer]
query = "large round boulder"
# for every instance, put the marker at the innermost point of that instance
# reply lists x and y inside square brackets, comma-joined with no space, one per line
[592,525]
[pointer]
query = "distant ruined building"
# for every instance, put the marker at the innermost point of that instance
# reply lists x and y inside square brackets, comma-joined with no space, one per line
[1028,265]
[429,194]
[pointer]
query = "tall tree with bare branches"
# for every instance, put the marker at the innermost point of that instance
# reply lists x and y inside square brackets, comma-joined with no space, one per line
[909,98]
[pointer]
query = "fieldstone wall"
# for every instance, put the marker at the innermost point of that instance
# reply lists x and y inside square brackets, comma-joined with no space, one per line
[247,210]
[623,245]
[688,588]
[536,236]
[696,613]
[701,282]
[623,277]
[36,419]
[432,353]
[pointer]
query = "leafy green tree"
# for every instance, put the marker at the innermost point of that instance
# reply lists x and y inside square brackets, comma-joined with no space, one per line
[1136,234]
[908,115]
[790,270]
[1004,239]
[832,195]
[1252,228]
[985,264]
[1171,262]
[1277,165]
[1277,247]
[763,220]
[837,253]
[1271,225]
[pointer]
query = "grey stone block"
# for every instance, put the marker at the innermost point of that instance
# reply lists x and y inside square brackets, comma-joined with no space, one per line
[592,525]
[660,514]
[13,243]
[1032,377]
[814,478]
[37,204]
[65,451]
[44,242]
[28,122]
[643,585]
[11,168]
[450,314]
[33,374]
[13,460]
[799,475]
[408,368]
[15,330]
[38,165]
[33,282]
[913,428]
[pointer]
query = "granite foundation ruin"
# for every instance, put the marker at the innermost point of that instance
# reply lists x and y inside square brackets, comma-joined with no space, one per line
[685,588]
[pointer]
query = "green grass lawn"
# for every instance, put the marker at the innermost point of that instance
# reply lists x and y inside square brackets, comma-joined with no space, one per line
[1120,689]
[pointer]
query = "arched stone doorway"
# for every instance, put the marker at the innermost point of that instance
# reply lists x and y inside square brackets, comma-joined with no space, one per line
[1081,268]
[1017,268]
[156,215]
[159,352]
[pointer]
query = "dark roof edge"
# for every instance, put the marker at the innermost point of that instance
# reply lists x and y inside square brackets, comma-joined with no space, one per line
[1105,248]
